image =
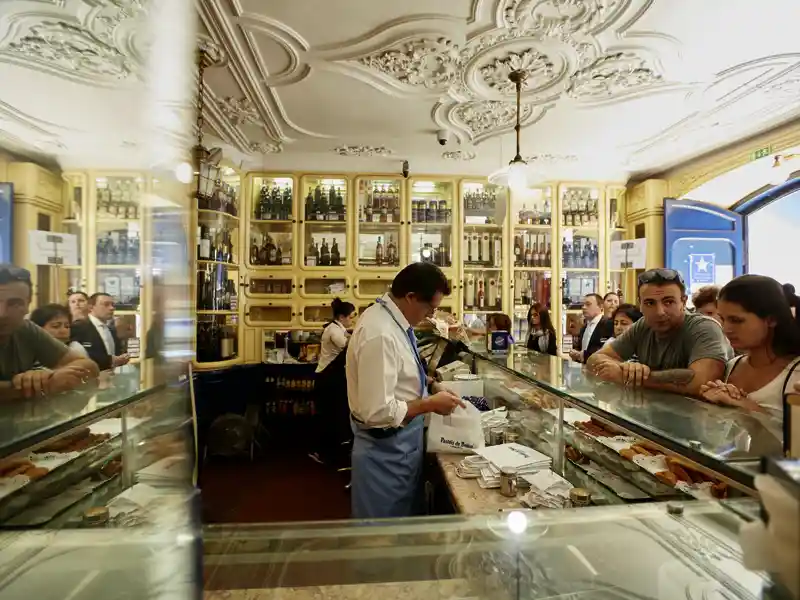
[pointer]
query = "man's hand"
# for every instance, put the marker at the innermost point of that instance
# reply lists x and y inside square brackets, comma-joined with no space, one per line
[634,374]
[576,355]
[68,378]
[122,359]
[443,403]
[33,383]
[609,370]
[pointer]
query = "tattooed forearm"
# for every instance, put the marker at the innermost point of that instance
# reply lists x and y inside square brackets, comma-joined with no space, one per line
[672,377]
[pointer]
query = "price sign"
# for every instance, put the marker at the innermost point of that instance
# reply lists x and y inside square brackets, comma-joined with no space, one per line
[761,153]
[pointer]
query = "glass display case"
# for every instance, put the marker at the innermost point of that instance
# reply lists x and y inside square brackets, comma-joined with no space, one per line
[78,468]
[432,221]
[621,444]
[324,222]
[600,553]
[379,222]
[483,211]
[269,286]
[271,222]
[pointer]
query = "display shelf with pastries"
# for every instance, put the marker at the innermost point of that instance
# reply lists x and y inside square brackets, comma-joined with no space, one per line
[623,445]
[99,457]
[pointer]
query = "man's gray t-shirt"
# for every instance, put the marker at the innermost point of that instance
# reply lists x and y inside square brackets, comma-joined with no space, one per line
[28,347]
[699,337]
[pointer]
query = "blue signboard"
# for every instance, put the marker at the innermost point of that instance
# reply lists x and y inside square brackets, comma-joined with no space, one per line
[6,198]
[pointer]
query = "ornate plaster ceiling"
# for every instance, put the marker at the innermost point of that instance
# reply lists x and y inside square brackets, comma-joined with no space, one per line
[615,87]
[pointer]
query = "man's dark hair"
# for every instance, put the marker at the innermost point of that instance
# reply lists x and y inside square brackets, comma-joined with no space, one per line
[422,279]
[661,277]
[11,273]
[705,295]
[597,297]
[629,310]
[44,314]
[94,297]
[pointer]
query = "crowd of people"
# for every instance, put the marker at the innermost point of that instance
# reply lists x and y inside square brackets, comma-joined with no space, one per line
[60,346]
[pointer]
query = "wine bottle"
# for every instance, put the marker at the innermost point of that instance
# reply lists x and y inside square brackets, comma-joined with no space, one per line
[340,208]
[311,260]
[310,206]
[325,254]
[319,209]
[392,256]
[254,253]
[335,256]
[379,252]
[333,214]
[286,213]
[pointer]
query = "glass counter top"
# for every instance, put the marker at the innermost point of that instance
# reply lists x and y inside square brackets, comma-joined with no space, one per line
[610,553]
[25,423]
[721,433]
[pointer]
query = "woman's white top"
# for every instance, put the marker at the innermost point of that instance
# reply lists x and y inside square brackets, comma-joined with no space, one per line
[334,340]
[77,347]
[770,396]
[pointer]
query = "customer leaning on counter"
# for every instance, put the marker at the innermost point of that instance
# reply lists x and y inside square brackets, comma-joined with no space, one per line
[24,345]
[388,392]
[677,351]
[757,319]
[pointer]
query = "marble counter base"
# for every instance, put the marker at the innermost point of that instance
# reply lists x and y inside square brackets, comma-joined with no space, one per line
[407,590]
[469,497]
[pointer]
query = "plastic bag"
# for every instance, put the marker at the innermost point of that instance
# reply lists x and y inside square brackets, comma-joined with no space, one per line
[460,432]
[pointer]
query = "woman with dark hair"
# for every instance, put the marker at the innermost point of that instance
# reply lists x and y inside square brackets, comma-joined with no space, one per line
[542,334]
[623,317]
[56,320]
[610,304]
[78,303]
[331,384]
[758,323]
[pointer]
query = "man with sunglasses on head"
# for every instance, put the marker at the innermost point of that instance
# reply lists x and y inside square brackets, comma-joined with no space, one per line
[23,345]
[388,392]
[677,351]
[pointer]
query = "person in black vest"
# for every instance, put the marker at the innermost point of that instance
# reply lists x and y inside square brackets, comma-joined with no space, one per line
[97,336]
[596,329]
[331,384]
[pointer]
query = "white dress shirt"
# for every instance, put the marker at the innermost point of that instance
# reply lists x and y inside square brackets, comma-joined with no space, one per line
[105,334]
[587,335]
[382,372]
[334,339]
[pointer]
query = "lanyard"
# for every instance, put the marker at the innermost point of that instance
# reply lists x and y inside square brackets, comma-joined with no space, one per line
[423,379]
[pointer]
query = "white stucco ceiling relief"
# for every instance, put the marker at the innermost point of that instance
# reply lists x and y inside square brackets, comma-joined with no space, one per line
[620,87]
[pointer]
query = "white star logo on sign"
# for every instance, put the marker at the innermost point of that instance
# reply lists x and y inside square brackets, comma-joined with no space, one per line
[702,265]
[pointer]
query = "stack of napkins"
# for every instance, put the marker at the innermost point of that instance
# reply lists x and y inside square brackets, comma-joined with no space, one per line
[470,467]
[548,490]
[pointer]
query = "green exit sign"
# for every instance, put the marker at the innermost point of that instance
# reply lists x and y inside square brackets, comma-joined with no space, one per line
[761,153]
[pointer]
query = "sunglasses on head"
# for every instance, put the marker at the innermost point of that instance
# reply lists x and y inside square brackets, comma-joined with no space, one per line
[660,276]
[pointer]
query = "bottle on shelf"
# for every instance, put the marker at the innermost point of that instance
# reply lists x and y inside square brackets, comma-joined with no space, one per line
[272,251]
[519,251]
[203,243]
[441,255]
[481,294]
[469,291]
[392,256]
[310,208]
[379,252]
[254,260]
[319,209]
[497,250]
[340,205]
[324,254]
[335,255]
[613,217]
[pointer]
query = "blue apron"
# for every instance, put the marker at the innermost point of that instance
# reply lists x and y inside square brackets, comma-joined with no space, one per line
[387,464]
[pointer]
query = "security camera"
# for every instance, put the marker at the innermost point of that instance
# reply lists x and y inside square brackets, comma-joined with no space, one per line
[442,136]
[405,169]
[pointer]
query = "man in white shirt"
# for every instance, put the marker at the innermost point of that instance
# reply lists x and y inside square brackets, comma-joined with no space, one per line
[387,390]
[596,329]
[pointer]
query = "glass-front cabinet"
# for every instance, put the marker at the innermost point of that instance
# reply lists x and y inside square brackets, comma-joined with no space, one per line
[431,220]
[324,221]
[483,211]
[379,222]
[271,222]
[218,277]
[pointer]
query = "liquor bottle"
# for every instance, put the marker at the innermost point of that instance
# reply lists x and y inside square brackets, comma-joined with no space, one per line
[322,207]
[383,206]
[340,204]
[204,244]
[286,212]
[333,214]
[497,250]
[528,255]
[254,253]
[316,254]
[272,251]
[368,211]
[391,252]
[491,296]
[481,294]
[310,211]
[379,252]
[336,257]
[469,291]
[537,257]
[613,219]
[518,251]
[441,256]
[324,254]
[317,204]
[565,216]
[310,261]
[548,257]
[442,213]
[523,216]
[547,213]
[432,213]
